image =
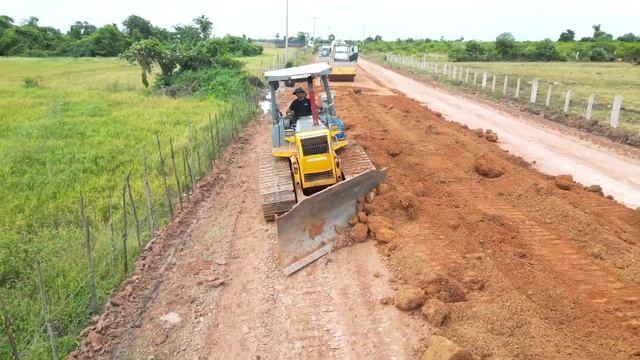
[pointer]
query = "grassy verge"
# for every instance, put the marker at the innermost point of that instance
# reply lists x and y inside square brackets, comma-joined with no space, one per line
[80,126]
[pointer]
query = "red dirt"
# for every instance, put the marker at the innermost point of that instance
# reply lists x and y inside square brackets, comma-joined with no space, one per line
[529,270]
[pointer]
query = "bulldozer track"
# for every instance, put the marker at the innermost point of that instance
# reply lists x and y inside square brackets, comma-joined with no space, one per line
[276,186]
[354,160]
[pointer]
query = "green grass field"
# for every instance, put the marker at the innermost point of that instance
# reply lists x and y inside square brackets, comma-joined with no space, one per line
[82,129]
[605,80]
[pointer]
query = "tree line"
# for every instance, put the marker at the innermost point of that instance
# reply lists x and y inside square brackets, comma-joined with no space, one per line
[600,47]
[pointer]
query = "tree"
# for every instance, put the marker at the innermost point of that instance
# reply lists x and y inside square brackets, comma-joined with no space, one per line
[378,38]
[204,25]
[5,22]
[599,35]
[545,50]
[108,41]
[506,45]
[148,52]
[81,29]
[567,36]
[332,37]
[137,28]
[629,37]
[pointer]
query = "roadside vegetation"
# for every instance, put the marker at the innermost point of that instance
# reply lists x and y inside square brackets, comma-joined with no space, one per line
[82,126]
[600,47]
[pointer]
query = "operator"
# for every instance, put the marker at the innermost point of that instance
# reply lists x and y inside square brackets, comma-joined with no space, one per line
[301,106]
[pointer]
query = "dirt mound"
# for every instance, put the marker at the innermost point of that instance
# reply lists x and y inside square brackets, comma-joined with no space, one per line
[441,348]
[394,150]
[488,168]
[409,298]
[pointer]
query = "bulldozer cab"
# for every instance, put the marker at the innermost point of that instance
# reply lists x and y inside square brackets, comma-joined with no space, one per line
[323,111]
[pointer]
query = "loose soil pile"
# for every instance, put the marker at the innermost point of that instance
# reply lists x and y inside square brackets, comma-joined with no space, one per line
[528,266]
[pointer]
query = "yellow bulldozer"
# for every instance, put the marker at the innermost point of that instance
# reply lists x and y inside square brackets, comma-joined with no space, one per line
[312,177]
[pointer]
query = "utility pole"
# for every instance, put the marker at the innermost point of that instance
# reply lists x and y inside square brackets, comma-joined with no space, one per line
[314,28]
[286,35]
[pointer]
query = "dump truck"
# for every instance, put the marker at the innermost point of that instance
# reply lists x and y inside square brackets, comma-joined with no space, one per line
[312,176]
[344,59]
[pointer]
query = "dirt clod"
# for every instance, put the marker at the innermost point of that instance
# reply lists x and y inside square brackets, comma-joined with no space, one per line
[359,232]
[441,348]
[594,189]
[564,182]
[435,311]
[408,298]
[362,217]
[445,289]
[382,188]
[488,168]
[394,150]
[491,136]
[385,235]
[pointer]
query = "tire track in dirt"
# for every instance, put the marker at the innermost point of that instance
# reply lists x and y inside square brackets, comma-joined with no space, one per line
[223,295]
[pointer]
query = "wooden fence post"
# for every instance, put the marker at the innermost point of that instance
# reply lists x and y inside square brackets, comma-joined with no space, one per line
[567,100]
[534,91]
[187,188]
[505,85]
[134,211]
[87,245]
[124,230]
[112,237]
[547,101]
[45,312]
[175,172]
[147,186]
[518,82]
[615,111]
[193,180]
[592,98]
[7,328]
[163,172]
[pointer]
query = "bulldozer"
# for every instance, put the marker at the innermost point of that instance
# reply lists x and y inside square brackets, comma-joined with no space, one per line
[312,177]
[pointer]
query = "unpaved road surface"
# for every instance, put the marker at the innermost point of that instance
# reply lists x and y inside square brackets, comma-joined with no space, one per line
[526,269]
[555,153]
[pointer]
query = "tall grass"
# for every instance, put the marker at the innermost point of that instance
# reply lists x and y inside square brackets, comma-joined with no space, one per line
[86,126]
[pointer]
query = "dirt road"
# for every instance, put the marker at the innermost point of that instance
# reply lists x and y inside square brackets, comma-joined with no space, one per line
[554,152]
[527,270]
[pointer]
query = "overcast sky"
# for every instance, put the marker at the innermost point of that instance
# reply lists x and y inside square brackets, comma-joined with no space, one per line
[479,20]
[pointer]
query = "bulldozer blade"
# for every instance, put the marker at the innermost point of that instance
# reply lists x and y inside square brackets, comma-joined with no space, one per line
[306,232]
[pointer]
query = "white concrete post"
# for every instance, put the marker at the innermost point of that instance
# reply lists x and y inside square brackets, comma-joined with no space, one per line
[615,111]
[505,86]
[444,69]
[534,90]
[493,83]
[455,72]
[567,100]
[547,102]
[518,87]
[435,69]
[592,98]
[466,76]
[475,77]
[484,80]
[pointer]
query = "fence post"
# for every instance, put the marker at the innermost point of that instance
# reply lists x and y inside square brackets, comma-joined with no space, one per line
[7,328]
[163,172]
[493,83]
[87,244]
[567,100]
[592,98]
[134,211]
[45,312]
[547,102]
[466,76]
[475,77]
[435,69]
[615,111]
[505,86]
[112,236]
[534,91]
[518,82]
[175,172]
[193,180]
[147,185]
[484,79]
[124,229]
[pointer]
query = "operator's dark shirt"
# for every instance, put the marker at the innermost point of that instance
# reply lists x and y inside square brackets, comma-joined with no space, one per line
[301,107]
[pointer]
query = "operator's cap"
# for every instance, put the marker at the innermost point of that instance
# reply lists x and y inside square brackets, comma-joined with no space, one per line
[298,90]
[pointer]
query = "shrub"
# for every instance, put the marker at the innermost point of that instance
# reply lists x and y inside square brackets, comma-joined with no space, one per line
[31,82]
